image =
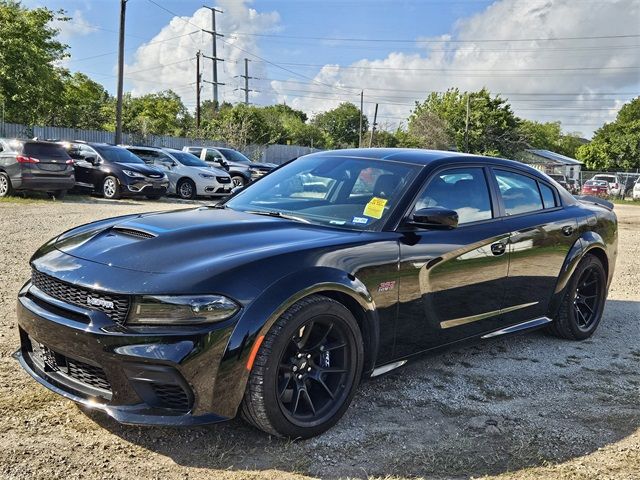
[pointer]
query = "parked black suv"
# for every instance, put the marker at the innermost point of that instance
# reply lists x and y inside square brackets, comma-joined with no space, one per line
[34,165]
[115,172]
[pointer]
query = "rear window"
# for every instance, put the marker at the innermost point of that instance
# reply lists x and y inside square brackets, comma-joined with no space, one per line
[45,150]
[606,178]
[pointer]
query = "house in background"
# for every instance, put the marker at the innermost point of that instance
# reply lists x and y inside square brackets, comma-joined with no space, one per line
[551,163]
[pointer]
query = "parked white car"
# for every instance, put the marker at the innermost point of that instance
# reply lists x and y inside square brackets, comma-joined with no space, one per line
[615,186]
[635,194]
[188,175]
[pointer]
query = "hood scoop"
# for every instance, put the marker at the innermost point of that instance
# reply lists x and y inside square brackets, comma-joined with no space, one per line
[133,232]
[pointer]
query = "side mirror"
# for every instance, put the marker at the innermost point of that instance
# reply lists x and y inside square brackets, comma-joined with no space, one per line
[434,217]
[168,165]
[92,159]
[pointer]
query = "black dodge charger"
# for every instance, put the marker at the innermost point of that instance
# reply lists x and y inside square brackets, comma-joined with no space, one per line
[335,267]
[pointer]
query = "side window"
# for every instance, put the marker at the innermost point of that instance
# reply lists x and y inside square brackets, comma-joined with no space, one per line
[212,155]
[548,198]
[519,193]
[464,190]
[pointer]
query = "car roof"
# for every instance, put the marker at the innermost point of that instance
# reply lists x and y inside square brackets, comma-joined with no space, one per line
[422,157]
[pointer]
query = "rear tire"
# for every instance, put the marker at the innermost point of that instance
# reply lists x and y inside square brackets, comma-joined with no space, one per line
[238,181]
[6,189]
[581,309]
[186,189]
[111,188]
[306,370]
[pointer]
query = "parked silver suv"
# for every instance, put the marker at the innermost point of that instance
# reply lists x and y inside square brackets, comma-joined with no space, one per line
[188,175]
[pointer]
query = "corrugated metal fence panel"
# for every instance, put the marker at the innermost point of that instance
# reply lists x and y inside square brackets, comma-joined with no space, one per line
[259,153]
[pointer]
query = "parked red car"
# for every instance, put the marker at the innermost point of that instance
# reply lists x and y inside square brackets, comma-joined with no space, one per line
[599,188]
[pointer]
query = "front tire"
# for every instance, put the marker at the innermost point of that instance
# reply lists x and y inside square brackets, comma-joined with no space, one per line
[581,309]
[306,371]
[238,181]
[186,189]
[111,188]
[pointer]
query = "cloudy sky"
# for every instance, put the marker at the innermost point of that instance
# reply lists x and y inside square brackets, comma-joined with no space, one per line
[576,61]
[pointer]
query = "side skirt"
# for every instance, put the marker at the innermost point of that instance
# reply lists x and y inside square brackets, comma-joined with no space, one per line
[536,322]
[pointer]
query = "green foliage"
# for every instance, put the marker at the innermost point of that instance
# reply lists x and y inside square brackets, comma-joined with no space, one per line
[491,127]
[615,145]
[30,83]
[341,125]
[548,136]
[161,113]
[84,104]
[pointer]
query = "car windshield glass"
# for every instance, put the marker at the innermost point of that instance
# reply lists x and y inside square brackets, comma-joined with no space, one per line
[235,156]
[188,159]
[117,154]
[352,193]
[606,178]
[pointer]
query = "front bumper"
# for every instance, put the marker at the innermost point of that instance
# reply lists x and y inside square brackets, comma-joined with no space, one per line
[146,187]
[152,376]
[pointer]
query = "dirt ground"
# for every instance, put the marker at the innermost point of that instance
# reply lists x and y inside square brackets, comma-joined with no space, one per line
[529,406]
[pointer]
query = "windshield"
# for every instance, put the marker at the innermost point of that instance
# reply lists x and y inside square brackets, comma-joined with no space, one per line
[345,192]
[234,156]
[188,159]
[605,178]
[117,154]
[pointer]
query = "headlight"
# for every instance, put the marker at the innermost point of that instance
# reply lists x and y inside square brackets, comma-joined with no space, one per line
[206,175]
[181,310]
[131,173]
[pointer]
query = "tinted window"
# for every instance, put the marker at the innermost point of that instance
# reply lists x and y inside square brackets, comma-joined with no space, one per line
[45,150]
[548,198]
[234,156]
[195,150]
[464,190]
[320,189]
[147,155]
[117,154]
[212,155]
[519,193]
[189,160]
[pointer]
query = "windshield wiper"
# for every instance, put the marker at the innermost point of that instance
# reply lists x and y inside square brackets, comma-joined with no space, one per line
[270,213]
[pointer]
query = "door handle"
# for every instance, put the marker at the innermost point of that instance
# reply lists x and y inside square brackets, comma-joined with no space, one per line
[567,230]
[498,248]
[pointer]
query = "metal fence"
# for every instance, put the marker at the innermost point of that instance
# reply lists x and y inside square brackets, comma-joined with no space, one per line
[260,153]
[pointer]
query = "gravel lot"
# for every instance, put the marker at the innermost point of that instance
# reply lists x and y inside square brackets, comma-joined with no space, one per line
[529,406]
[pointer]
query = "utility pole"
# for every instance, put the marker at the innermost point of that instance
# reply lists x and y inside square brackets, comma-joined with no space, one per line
[466,128]
[123,12]
[198,78]
[214,51]
[361,114]
[246,81]
[373,127]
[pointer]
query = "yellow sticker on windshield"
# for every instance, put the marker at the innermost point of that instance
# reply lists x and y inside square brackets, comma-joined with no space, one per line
[375,207]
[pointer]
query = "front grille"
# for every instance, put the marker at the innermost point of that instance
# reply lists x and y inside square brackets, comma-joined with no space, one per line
[171,396]
[77,370]
[223,179]
[82,296]
[85,373]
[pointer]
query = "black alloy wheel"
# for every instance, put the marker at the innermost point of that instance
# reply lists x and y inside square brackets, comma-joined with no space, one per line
[306,371]
[581,309]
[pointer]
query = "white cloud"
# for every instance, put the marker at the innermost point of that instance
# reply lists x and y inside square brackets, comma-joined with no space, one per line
[529,66]
[77,26]
[161,64]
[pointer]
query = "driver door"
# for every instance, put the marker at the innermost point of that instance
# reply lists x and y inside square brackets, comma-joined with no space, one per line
[452,281]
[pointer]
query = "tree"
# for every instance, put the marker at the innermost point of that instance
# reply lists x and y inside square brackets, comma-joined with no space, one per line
[491,127]
[161,113]
[30,82]
[84,104]
[615,145]
[341,125]
[549,136]
[428,130]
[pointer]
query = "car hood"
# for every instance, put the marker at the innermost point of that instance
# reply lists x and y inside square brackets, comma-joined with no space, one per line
[210,239]
[211,171]
[263,165]
[141,168]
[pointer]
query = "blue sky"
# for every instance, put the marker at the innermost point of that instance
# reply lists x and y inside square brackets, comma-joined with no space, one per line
[501,44]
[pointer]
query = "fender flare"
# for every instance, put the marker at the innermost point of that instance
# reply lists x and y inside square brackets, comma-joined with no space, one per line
[588,241]
[275,300]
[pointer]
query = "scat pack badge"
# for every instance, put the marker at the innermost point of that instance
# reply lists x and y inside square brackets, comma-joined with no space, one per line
[386,286]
